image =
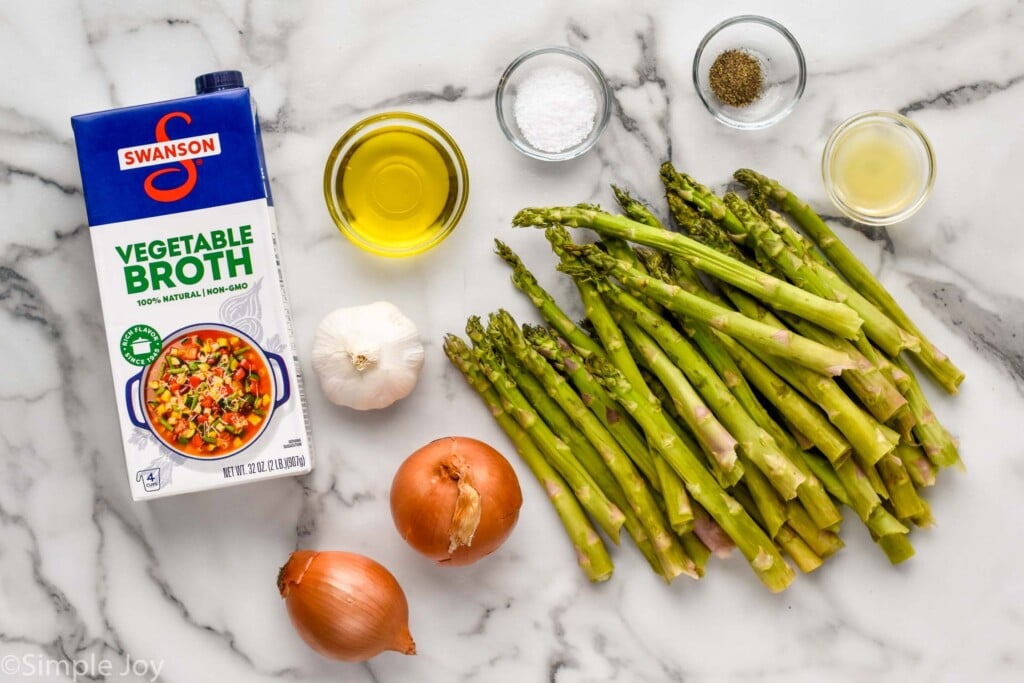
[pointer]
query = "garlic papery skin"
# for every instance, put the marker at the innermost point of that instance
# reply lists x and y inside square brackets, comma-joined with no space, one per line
[367,357]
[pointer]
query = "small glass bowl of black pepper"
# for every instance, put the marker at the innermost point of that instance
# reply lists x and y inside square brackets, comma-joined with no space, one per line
[749,72]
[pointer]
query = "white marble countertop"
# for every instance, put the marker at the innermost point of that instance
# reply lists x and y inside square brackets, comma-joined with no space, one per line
[188,583]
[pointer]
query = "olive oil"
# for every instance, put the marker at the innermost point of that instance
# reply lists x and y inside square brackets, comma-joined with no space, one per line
[397,188]
[876,170]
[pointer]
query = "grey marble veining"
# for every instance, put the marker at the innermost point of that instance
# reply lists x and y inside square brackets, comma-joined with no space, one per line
[184,589]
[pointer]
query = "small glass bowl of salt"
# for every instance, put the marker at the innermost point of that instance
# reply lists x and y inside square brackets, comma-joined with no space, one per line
[553,103]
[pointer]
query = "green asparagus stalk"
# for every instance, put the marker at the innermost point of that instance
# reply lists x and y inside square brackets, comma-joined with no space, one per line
[594,396]
[758,498]
[922,471]
[870,439]
[681,357]
[565,429]
[707,202]
[877,326]
[824,543]
[802,555]
[678,509]
[799,411]
[936,441]
[837,317]
[866,382]
[711,534]
[924,520]
[675,420]
[897,547]
[700,419]
[525,282]
[811,492]
[702,422]
[825,473]
[673,560]
[663,478]
[902,494]
[752,541]
[696,550]
[766,338]
[933,360]
[556,419]
[634,208]
[591,553]
[592,497]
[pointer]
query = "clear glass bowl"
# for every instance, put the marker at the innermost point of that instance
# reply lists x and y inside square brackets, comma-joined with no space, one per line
[783,70]
[916,152]
[554,56]
[338,165]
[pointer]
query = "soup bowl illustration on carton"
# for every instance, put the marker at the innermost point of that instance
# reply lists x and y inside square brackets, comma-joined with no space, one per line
[210,393]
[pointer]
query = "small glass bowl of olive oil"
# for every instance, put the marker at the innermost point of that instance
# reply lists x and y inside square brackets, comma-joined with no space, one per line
[878,167]
[396,184]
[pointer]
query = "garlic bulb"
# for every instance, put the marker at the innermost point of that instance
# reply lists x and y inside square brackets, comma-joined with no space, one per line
[367,357]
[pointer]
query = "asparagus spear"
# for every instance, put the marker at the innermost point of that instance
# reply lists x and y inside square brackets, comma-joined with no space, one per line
[669,552]
[556,419]
[759,550]
[824,543]
[837,317]
[880,396]
[675,420]
[744,225]
[525,282]
[591,496]
[565,429]
[706,201]
[662,477]
[711,534]
[802,555]
[766,338]
[681,357]
[902,494]
[811,492]
[594,396]
[801,412]
[702,422]
[865,380]
[936,441]
[921,469]
[591,553]
[870,439]
[877,326]
[634,208]
[933,360]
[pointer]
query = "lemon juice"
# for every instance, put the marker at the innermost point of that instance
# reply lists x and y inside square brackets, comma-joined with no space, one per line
[875,169]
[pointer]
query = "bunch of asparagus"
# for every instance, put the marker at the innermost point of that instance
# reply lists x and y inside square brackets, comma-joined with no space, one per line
[734,383]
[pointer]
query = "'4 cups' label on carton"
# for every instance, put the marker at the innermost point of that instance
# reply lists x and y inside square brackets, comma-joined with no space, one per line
[184,241]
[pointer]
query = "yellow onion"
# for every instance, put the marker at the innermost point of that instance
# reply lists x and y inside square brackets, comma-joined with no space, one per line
[455,500]
[344,605]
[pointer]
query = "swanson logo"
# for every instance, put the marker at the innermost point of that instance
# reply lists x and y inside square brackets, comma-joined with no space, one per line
[182,152]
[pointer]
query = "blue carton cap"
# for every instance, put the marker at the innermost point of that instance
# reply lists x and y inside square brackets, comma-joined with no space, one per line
[218,80]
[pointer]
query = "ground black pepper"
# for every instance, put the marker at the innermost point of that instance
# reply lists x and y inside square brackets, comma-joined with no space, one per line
[735,78]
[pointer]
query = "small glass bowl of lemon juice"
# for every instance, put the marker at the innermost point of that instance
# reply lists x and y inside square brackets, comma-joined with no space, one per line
[396,184]
[878,167]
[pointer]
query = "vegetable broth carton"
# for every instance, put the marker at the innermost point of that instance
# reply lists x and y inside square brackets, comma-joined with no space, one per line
[185,243]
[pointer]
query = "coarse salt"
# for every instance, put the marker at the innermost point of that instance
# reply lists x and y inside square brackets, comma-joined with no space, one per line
[555,109]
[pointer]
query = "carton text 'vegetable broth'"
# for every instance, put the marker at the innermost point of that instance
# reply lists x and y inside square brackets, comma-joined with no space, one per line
[184,239]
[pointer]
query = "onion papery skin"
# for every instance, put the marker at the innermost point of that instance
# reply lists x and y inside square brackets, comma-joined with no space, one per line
[345,605]
[425,492]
